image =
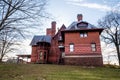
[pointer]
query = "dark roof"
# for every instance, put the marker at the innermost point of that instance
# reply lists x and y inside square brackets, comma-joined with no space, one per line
[80,25]
[40,38]
[24,55]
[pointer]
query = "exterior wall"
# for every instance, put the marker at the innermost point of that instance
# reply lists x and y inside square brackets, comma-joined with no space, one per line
[84,61]
[82,45]
[54,52]
[35,56]
[83,54]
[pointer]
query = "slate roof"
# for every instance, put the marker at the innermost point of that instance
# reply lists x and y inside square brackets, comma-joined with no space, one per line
[82,25]
[40,38]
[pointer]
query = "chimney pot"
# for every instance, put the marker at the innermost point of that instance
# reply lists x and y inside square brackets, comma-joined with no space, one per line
[79,17]
[53,23]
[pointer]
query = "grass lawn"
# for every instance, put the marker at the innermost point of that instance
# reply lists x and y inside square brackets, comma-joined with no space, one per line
[56,72]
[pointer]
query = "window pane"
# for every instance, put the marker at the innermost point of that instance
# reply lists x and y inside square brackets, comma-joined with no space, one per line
[93,47]
[81,35]
[85,34]
[71,47]
[60,38]
[63,54]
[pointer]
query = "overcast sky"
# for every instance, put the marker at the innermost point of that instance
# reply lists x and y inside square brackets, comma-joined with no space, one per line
[65,11]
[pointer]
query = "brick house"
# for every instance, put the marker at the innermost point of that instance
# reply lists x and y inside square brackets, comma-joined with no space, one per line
[78,44]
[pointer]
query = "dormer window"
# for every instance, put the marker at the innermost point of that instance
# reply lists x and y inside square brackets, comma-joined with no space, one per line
[82,25]
[83,34]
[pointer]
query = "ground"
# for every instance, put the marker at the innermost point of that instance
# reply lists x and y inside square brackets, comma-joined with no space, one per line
[56,72]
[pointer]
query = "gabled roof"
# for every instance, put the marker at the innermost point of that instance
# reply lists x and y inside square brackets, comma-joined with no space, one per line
[80,25]
[40,38]
[59,31]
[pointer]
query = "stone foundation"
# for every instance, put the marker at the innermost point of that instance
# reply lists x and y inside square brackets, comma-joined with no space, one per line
[84,61]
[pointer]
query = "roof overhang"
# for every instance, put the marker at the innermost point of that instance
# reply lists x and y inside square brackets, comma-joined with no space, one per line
[89,30]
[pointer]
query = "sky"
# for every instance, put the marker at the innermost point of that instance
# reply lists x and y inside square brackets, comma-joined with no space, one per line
[65,12]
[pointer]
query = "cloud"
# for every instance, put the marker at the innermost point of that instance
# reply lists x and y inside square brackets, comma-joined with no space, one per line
[75,0]
[82,3]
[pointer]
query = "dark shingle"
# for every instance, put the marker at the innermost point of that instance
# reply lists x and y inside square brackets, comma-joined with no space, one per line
[80,25]
[40,38]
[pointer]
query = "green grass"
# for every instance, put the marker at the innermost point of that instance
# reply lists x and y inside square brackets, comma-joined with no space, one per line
[56,72]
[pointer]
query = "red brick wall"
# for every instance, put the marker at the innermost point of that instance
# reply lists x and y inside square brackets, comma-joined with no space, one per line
[34,54]
[82,45]
[54,52]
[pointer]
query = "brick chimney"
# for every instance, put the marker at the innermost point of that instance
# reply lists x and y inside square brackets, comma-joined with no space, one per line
[53,26]
[79,17]
[51,31]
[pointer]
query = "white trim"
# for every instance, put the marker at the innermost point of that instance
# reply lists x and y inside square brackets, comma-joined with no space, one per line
[83,56]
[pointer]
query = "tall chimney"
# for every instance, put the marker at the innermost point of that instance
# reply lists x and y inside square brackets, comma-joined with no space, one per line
[79,17]
[48,31]
[53,26]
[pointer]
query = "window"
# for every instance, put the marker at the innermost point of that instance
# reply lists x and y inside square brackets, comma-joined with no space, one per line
[83,34]
[93,46]
[60,37]
[71,47]
[44,55]
[40,55]
[63,54]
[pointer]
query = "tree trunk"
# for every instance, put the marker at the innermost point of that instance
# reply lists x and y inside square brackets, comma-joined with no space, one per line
[0,60]
[118,53]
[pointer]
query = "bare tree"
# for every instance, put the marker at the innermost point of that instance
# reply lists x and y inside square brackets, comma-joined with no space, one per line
[15,17]
[8,42]
[111,33]
[17,11]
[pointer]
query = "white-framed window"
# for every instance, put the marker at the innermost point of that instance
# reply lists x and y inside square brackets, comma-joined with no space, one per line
[93,46]
[71,45]
[83,34]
